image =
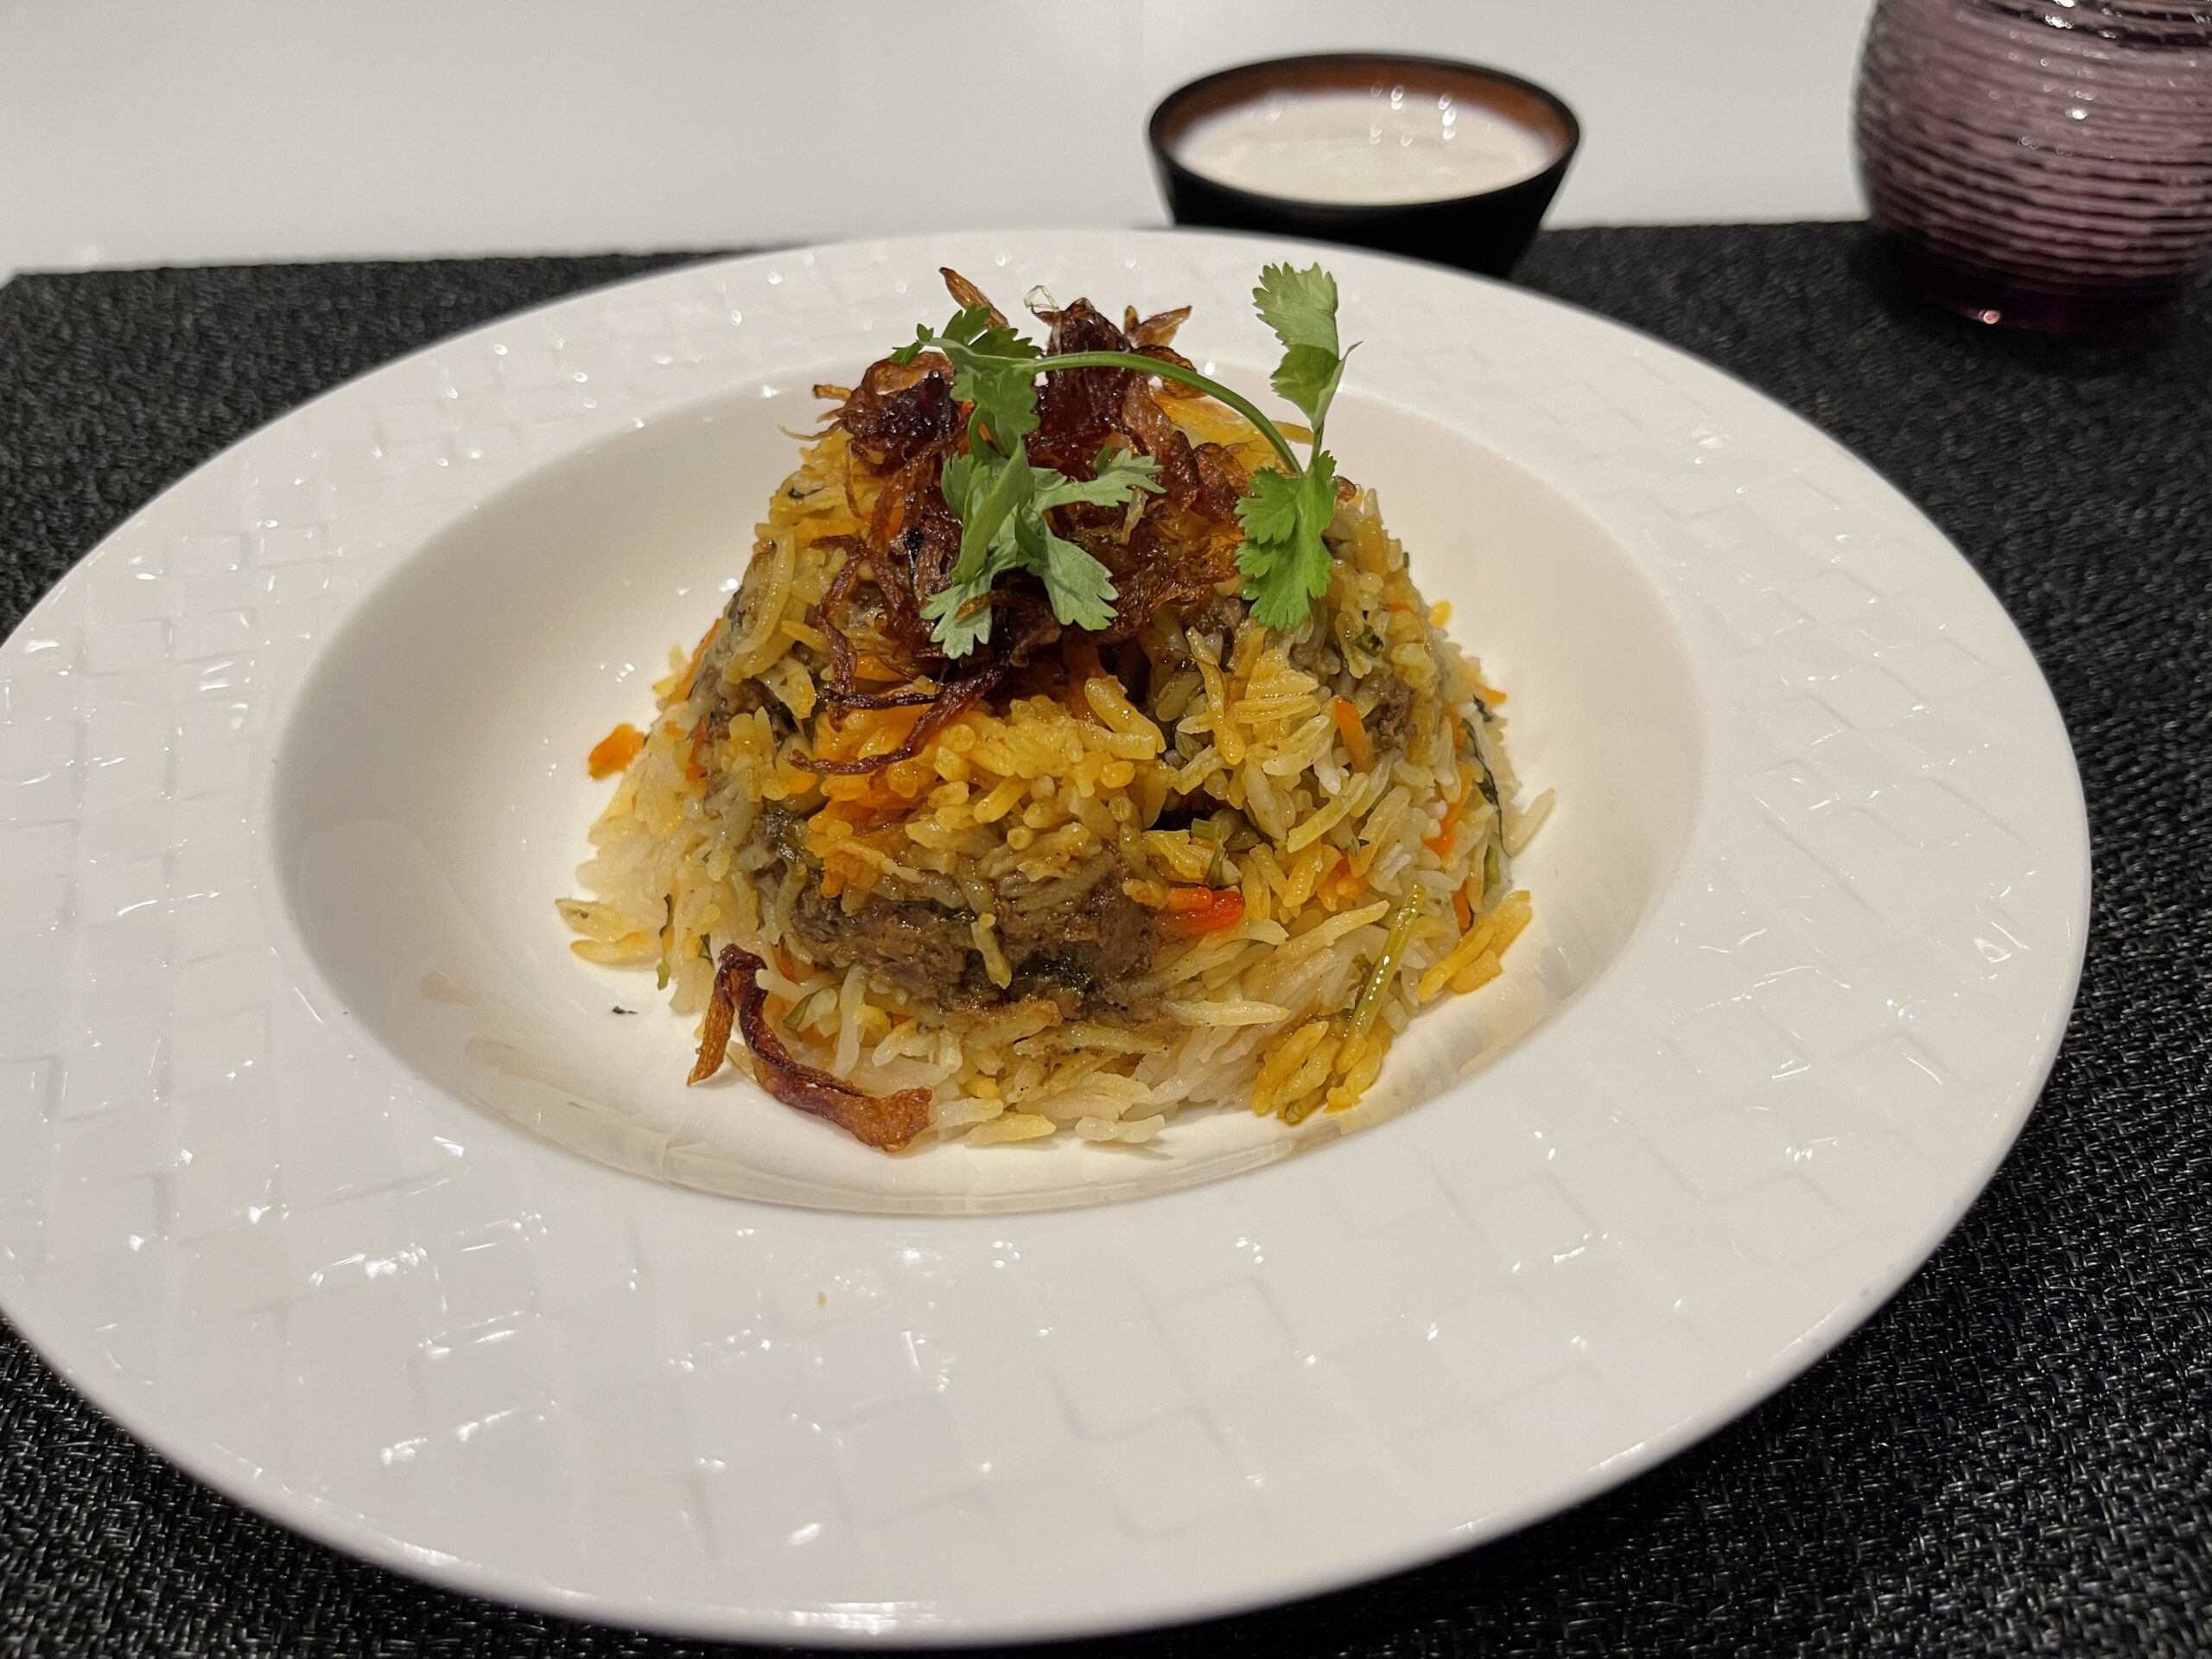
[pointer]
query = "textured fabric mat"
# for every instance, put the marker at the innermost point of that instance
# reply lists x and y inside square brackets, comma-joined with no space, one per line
[2013,1458]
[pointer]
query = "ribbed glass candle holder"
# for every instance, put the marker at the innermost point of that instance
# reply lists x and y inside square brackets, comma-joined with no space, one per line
[2040,163]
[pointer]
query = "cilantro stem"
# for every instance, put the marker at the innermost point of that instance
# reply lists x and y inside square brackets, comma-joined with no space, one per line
[1143,364]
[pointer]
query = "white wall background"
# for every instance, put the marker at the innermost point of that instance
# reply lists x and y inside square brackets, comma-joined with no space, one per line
[151,132]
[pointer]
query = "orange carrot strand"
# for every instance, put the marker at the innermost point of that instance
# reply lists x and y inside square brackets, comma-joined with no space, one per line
[1355,734]
[615,751]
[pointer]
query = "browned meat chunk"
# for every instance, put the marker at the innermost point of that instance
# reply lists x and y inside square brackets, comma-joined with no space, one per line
[1082,956]
[1092,949]
[1386,720]
[923,949]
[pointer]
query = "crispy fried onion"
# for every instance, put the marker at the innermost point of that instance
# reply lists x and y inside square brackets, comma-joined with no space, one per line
[966,294]
[945,707]
[900,410]
[885,1121]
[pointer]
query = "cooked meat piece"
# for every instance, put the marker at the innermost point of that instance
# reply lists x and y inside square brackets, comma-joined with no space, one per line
[1081,955]
[1093,947]
[782,829]
[923,949]
[1386,720]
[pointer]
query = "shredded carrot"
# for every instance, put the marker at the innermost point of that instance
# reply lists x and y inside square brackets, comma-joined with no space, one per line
[1192,911]
[616,751]
[1462,909]
[1355,731]
[698,656]
[1325,883]
[693,768]
[1440,842]
[1342,883]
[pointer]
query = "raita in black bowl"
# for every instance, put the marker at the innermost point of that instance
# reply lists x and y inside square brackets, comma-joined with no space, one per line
[1441,160]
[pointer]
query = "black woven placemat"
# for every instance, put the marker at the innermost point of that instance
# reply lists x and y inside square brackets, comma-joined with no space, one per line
[2013,1458]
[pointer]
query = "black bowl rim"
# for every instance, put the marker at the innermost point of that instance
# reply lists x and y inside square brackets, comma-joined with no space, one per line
[1343,211]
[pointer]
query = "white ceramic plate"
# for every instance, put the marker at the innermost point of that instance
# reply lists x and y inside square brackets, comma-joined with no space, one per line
[290,772]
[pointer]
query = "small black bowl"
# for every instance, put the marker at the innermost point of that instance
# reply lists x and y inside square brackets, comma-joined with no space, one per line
[1487,232]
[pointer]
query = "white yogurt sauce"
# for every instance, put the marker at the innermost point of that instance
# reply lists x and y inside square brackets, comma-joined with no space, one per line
[1385,145]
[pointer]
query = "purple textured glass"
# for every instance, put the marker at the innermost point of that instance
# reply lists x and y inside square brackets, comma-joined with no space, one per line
[2042,163]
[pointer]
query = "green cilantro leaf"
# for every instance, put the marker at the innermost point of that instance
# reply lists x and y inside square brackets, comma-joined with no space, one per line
[970,325]
[1081,588]
[912,348]
[1307,377]
[1316,506]
[961,612]
[996,491]
[1269,514]
[963,476]
[1116,476]
[1284,558]
[1004,405]
[958,629]
[1300,306]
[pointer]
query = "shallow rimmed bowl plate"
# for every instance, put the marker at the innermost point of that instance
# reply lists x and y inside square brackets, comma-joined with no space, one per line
[329,1171]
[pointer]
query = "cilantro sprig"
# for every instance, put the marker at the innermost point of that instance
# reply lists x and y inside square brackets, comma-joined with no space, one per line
[1285,562]
[1001,500]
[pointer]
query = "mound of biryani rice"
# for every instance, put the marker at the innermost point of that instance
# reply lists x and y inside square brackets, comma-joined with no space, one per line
[1078,880]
